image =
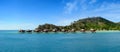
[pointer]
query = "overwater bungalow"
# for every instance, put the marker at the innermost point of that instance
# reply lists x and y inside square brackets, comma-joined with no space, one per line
[37,30]
[93,30]
[73,30]
[54,30]
[45,30]
[29,31]
[83,30]
[68,31]
[63,30]
[22,31]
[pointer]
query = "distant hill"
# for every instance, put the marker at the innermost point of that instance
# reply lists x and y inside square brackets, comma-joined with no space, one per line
[118,23]
[98,23]
[95,23]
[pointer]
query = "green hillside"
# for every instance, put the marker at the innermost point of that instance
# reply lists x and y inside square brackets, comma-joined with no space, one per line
[97,23]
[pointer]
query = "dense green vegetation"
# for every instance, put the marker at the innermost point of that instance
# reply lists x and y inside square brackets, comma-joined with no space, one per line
[49,26]
[97,23]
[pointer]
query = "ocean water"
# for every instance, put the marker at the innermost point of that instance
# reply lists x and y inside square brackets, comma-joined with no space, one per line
[13,41]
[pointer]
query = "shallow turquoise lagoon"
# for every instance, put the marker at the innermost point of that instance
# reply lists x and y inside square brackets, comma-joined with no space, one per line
[13,41]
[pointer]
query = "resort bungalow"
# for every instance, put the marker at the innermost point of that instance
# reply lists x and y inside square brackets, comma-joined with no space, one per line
[93,30]
[54,30]
[83,30]
[73,30]
[37,30]
[29,31]
[63,30]
[45,30]
[22,31]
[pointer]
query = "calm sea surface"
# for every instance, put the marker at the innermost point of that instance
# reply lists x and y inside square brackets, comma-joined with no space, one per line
[13,41]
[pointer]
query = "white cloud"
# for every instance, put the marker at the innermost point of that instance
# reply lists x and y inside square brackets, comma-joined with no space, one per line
[108,7]
[76,4]
[93,1]
[109,10]
[70,6]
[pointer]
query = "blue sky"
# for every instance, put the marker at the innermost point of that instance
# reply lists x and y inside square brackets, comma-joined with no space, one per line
[28,14]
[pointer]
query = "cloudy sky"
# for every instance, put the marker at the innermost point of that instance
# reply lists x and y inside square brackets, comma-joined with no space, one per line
[28,14]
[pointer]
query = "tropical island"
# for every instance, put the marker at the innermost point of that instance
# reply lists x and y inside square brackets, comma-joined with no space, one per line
[87,24]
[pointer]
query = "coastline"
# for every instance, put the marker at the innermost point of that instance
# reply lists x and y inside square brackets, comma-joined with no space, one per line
[98,31]
[108,31]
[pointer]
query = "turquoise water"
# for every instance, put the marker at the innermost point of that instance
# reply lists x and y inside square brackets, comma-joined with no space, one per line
[12,41]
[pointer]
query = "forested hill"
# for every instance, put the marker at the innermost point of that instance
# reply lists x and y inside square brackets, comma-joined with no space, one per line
[118,23]
[98,23]
[95,23]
